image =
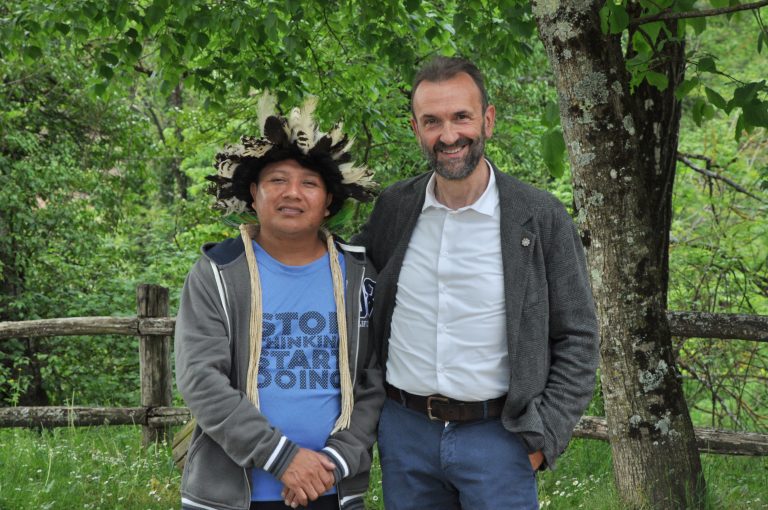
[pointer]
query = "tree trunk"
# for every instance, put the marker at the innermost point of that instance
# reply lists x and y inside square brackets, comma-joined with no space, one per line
[176,101]
[622,151]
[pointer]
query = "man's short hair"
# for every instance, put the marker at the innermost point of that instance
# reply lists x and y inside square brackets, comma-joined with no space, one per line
[441,68]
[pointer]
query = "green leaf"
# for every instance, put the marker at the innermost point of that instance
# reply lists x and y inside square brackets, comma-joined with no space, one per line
[106,72]
[432,33]
[167,48]
[760,38]
[33,52]
[100,88]
[686,87]
[134,49]
[550,117]
[459,20]
[706,65]
[552,151]
[62,27]
[153,15]
[201,39]
[345,215]
[613,18]
[698,111]
[698,24]
[640,43]
[739,128]
[658,80]
[31,26]
[745,94]
[756,113]
[715,98]
[132,33]
[653,29]
[290,43]
[110,58]
[412,5]
[719,4]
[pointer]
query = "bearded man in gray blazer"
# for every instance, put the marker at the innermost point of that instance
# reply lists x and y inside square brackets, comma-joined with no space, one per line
[483,314]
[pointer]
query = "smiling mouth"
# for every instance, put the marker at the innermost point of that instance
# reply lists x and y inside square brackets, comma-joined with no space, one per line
[291,211]
[453,149]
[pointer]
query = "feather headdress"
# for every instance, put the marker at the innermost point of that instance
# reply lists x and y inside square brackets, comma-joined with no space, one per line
[295,136]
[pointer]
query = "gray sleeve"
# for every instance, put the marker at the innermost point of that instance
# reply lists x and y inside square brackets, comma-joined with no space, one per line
[203,366]
[573,336]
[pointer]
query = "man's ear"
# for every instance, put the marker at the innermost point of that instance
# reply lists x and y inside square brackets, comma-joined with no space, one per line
[254,190]
[490,120]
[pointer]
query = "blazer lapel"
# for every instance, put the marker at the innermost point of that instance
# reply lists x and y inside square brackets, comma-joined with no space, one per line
[517,248]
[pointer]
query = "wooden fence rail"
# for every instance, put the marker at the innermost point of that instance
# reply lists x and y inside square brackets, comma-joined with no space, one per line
[53,416]
[154,328]
[683,324]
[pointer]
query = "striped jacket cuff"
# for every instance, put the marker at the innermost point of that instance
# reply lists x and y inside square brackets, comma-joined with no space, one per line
[281,457]
[342,470]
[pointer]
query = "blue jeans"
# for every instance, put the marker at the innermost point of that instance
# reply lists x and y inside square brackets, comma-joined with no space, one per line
[473,465]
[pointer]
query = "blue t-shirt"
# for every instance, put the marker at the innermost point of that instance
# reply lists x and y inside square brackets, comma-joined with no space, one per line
[299,389]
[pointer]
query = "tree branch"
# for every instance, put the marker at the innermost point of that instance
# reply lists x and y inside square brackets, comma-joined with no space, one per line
[668,15]
[684,158]
[155,121]
[715,395]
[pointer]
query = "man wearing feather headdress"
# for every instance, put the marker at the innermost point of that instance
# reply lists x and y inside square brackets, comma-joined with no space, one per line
[272,350]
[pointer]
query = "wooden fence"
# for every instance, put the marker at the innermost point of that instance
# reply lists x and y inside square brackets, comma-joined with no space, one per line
[154,329]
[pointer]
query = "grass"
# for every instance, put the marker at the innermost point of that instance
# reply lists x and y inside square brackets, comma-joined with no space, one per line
[105,467]
[89,468]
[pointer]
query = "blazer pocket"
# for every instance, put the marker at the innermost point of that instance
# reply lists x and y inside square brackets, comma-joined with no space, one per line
[534,297]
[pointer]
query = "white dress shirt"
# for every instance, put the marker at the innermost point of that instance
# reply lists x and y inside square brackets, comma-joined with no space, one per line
[448,326]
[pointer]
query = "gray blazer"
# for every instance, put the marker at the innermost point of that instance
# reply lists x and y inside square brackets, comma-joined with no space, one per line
[552,332]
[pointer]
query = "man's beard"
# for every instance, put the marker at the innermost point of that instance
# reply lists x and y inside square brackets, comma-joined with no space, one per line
[460,168]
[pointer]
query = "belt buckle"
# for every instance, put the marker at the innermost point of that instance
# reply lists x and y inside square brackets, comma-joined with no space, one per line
[429,405]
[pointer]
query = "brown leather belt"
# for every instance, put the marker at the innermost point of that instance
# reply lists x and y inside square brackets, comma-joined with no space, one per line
[438,407]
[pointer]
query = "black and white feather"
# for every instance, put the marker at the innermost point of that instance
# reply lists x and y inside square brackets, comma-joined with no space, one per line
[295,136]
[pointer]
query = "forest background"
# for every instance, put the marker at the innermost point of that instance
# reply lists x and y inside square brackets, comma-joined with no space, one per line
[110,114]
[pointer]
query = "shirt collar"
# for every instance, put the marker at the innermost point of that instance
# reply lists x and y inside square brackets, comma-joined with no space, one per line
[485,204]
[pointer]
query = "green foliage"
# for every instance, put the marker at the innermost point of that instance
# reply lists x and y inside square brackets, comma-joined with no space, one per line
[552,142]
[643,62]
[719,241]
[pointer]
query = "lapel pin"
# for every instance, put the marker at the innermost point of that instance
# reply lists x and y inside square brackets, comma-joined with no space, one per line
[526,242]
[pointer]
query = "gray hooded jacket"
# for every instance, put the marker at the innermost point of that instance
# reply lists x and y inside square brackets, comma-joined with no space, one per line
[232,436]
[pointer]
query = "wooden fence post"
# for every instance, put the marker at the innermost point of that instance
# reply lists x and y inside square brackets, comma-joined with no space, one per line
[154,359]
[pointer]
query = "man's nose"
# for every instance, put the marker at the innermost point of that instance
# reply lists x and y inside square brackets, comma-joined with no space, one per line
[292,188]
[449,135]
